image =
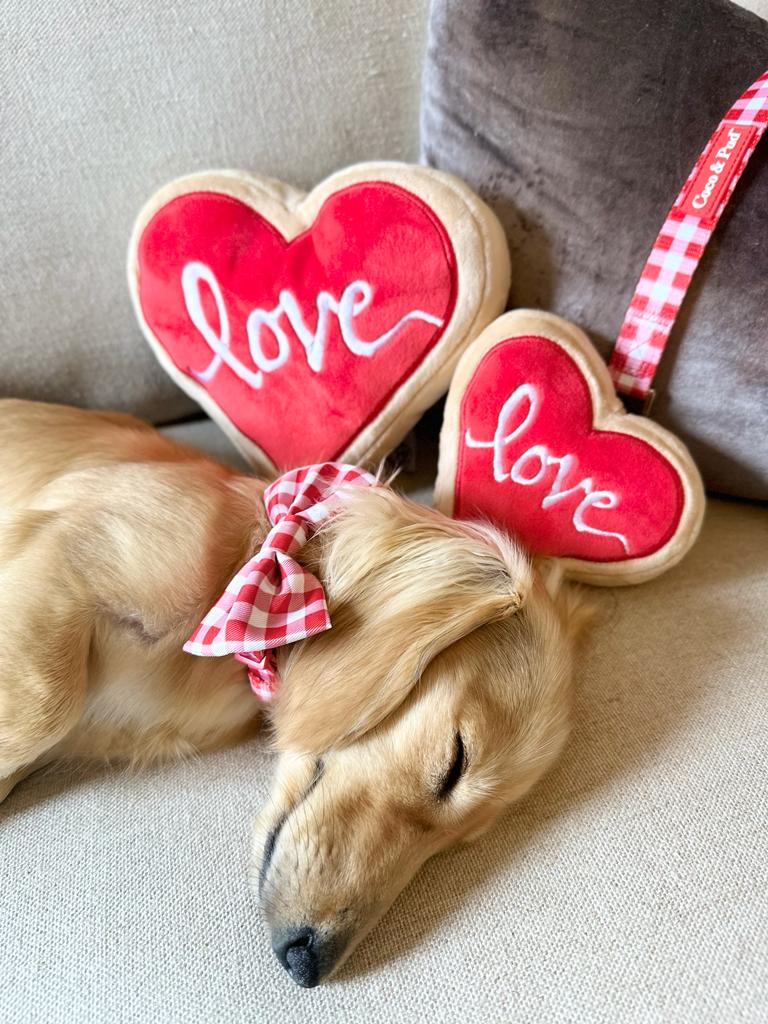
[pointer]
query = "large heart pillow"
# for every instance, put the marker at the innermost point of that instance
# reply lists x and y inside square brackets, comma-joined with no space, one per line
[316,327]
[535,438]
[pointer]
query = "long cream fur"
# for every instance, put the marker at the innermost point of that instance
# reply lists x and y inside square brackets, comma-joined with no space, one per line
[114,541]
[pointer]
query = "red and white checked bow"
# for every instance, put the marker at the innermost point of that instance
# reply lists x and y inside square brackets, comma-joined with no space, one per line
[682,240]
[273,600]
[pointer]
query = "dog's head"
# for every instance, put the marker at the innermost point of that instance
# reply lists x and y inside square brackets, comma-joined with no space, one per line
[439,696]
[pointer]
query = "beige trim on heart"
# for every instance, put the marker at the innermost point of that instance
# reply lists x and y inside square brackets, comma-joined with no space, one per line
[609,414]
[482,262]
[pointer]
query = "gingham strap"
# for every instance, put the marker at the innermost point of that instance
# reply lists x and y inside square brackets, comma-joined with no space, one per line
[681,242]
[273,600]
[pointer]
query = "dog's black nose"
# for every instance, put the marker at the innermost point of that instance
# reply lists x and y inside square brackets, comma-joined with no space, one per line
[297,950]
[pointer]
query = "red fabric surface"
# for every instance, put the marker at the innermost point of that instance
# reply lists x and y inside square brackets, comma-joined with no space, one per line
[373,232]
[646,487]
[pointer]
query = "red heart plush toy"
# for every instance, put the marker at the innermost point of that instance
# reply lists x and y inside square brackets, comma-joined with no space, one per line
[535,439]
[318,327]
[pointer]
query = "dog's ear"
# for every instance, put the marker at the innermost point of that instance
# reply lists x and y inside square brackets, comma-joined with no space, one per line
[551,572]
[403,583]
[576,607]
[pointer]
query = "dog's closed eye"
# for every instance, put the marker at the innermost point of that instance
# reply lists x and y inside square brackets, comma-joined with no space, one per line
[455,771]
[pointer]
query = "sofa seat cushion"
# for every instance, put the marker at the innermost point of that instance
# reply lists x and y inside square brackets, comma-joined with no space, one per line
[628,887]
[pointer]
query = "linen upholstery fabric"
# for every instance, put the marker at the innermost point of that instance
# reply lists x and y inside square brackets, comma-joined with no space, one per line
[628,888]
[104,102]
[579,123]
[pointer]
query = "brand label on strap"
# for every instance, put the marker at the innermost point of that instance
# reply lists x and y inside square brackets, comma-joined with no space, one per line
[721,162]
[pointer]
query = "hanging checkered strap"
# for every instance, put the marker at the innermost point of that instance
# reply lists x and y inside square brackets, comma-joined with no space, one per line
[273,600]
[681,242]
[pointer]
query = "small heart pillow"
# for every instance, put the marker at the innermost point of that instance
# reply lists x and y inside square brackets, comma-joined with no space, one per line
[535,439]
[316,327]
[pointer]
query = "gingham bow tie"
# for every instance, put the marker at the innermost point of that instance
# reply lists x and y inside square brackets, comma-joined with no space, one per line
[273,600]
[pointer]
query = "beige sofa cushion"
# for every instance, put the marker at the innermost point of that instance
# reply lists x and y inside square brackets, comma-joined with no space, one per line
[629,888]
[104,102]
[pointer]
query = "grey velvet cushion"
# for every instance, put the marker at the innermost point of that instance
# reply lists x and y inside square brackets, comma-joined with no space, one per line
[103,102]
[579,121]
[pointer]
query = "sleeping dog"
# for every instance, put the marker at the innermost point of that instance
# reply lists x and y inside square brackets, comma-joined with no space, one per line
[439,696]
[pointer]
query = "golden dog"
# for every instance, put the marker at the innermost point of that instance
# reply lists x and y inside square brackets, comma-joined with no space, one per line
[439,696]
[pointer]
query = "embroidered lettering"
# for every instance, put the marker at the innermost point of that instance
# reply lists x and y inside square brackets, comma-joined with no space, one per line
[531,469]
[354,300]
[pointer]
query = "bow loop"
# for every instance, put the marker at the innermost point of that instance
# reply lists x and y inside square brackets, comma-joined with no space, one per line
[273,600]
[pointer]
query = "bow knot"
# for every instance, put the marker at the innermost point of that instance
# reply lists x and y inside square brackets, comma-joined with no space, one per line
[273,600]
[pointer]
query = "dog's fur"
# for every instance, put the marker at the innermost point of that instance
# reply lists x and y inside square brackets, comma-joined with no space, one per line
[115,541]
